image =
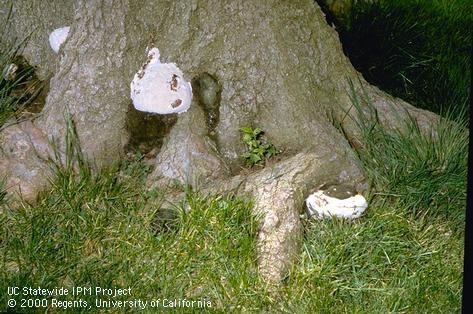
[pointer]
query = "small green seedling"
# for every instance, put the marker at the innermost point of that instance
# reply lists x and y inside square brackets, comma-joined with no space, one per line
[258,150]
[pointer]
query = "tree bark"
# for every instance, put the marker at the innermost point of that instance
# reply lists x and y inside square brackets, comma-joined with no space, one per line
[276,65]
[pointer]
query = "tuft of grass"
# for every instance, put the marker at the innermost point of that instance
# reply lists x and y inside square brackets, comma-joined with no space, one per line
[95,231]
[10,104]
[3,194]
[20,87]
[419,171]
[384,262]
[419,50]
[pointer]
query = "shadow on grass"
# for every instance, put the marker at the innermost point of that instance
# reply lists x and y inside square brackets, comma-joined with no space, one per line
[419,50]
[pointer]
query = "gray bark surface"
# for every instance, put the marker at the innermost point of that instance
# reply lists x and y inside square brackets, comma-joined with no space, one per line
[36,20]
[275,65]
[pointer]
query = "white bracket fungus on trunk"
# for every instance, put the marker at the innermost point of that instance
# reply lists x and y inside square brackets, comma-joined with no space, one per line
[58,37]
[9,72]
[160,87]
[324,206]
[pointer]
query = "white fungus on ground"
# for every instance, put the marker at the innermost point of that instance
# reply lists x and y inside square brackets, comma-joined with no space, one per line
[58,37]
[160,87]
[321,205]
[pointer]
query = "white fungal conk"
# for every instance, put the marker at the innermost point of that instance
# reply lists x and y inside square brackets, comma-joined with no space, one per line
[160,87]
[323,205]
[9,72]
[58,37]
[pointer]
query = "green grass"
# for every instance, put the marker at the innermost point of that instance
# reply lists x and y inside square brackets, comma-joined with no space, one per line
[419,50]
[418,171]
[12,101]
[96,231]
[404,255]
[8,104]
[385,262]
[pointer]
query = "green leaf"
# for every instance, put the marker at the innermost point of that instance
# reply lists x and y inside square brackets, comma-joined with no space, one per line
[255,158]
[247,138]
[258,150]
[246,130]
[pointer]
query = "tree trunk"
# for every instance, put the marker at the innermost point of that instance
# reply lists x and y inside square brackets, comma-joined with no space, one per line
[276,65]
